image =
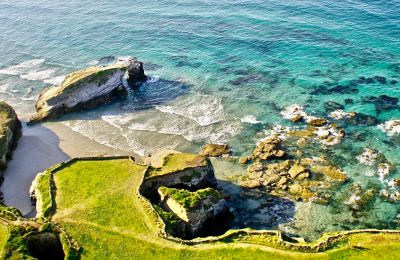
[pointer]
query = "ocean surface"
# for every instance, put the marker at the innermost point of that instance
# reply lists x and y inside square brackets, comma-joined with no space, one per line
[223,71]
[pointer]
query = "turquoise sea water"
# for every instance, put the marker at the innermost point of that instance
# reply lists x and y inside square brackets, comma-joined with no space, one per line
[222,71]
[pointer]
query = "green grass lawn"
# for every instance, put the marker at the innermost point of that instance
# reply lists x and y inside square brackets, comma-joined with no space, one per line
[3,237]
[98,205]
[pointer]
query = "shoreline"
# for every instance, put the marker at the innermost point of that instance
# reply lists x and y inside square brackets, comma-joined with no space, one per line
[40,147]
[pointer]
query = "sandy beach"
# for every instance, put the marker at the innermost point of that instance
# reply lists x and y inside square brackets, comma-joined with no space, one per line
[40,147]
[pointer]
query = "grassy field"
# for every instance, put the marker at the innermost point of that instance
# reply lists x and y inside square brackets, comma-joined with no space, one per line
[3,237]
[98,205]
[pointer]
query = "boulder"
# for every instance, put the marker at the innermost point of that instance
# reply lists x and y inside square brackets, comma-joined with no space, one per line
[215,150]
[87,89]
[317,122]
[268,148]
[10,131]
[296,170]
[194,208]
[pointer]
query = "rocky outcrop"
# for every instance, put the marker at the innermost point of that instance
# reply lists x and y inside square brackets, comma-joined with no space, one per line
[215,150]
[10,131]
[194,208]
[87,89]
[191,171]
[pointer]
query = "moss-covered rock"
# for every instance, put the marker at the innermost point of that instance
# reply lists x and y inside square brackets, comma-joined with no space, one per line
[10,131]
[194,208]
[86,89]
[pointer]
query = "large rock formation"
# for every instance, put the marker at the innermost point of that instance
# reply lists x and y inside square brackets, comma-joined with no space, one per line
[87,89]
[190,171]
[194,208]
[10,131]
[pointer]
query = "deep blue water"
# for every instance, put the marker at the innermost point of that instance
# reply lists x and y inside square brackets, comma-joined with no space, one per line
[218,68]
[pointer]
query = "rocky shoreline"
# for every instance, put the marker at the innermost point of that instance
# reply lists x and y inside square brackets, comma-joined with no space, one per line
[183,190]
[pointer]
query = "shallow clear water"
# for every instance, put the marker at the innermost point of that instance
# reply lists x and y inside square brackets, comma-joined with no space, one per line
[218,68]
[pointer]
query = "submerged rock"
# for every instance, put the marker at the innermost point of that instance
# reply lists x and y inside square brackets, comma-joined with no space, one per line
[87,89]
[194,208]
[10,131]
[215,150]
[331,106]
[382,102]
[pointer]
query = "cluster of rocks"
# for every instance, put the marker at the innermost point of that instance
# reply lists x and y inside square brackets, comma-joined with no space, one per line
[303,179]
[317,128]
[359,198]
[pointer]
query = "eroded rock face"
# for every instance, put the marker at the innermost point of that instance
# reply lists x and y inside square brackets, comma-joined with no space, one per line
[194,208]
[10,131]
[87,89]
[215,150]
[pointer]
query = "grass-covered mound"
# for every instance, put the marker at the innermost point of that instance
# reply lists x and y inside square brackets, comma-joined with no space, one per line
[97,202]
[22,238]
[177,162]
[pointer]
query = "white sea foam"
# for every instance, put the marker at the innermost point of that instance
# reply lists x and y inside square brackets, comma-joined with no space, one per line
[383,171]
[250,119]
[293,111]
[340,114]
[368,157]
[93,63]
[38,75]
[391,127]
[22,67]
[117,120]
[56,81]
[203,109]
[353,200]
[142,127]
[4,88]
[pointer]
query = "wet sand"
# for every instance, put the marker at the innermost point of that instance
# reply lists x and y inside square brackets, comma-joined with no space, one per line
[39,148]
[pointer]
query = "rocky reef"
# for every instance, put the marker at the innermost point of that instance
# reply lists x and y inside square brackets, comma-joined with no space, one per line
[87,88]
[10,131]
[194,208]
[307,179]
